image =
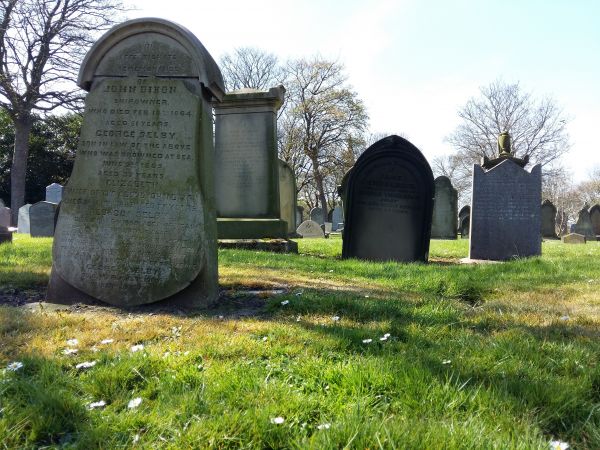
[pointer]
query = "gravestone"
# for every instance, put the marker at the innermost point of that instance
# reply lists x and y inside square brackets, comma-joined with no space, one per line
[445,209]
[299,211]
[595,218]
[23,220]
[4,216]
[548,217]
[317,215]
[505,212]
[246,165]
[337,218]
[5,235]
[573,238]
[42,216]
[138,219]
[388,203]
[584,224]
[464,221]
[327,227]
[310,229]
[54,193]
[287,196]
[2,204]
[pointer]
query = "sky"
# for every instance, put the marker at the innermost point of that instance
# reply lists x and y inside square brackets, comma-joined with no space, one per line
[416,63]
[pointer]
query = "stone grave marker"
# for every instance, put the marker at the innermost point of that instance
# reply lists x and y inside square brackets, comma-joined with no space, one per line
[595,218]
[54,193]
[445,209]
[310,229]
[4,216]
[548,217]
[5,235]
[42,217]
[388,203]
[246,165]
[584,224]
[299,211]
[573,238]
[317,215]
[23,219]
[138,218]
[337,218]
[464,221]
[287,196]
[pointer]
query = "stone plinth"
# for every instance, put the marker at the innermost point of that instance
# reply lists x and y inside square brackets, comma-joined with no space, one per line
[445,210]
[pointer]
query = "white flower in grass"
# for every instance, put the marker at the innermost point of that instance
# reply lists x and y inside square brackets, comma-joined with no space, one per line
[336,318]
[86,365]
[265,338]
[367,341]
[137,348]
[136,438]
[72,342]
[565,318]
[14,366]
[134,403]
[324,426]
[559,445]
[298,294]
[107,341]
[298,319]
[285,302]
[70,351]
[447,361]
[366,296]
[94,405]
[277,420]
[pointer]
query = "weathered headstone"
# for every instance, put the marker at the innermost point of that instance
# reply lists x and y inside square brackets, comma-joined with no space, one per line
[138,219]
[54,193]
[4,216]
[337,218]
[584,224]
[464,221]
[246,165]
[310,229]
[23,220]
[299,211]
[548,217]
[573,238]
[287,196]
[388,203]
[5,235]
[317,215]
[42,216]
[505,212]
[445,209]
[595,218]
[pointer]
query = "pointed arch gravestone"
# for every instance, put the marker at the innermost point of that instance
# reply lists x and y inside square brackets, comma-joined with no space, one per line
[137,221]
[595,218]
[548,212]
[388,203]
[445,209]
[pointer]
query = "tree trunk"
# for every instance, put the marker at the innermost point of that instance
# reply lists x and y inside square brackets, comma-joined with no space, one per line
[19,167]
[320,189]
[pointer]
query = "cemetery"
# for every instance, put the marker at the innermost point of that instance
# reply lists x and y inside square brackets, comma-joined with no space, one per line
[191,285]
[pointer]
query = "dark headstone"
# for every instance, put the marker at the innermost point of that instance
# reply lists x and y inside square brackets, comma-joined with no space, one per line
[337,218]
[42,217]
[505,212]
[5,235]
[445,208]
[4,216]
[464,221]
[316,215]
[388,204]
[287,196]
[584,224]
[548,213]
[595,218]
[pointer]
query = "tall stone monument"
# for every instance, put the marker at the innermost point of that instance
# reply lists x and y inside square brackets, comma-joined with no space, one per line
[505,207]
[584,224]
[138,219]
[595,218]
[246,165]
[445,209]
[388,203]
[548,218]
[23,219]
[288,200]
[54,193]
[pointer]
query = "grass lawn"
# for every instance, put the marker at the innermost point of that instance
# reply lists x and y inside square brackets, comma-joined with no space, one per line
[491,356]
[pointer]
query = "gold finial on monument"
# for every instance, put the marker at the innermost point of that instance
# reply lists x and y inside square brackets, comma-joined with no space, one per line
[504,144]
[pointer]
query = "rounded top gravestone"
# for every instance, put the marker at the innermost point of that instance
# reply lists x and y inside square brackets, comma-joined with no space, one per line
[548,212]
[388,203]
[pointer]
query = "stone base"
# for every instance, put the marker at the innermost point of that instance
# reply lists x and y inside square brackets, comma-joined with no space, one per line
[237,228]
[201,293]
[267,245]
[479,261]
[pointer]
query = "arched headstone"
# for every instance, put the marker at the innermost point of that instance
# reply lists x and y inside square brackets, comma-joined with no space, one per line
[310,229]
[388,203]
[548,213]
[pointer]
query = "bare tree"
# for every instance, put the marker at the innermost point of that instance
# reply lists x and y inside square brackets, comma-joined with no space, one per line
[42,43]
[325,117]
[249,67]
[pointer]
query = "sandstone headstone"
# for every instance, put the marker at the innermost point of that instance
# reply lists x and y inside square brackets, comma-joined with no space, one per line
[138,219]
[388,203]
[505,212]
[337,218]
[5,235]
[23,220]
[595,218]
[548,217]
[317,215]
[584,225]
[246,165]
[464,221]
[573,238]
[54,193]
[310,229]
[42,217]
[445,209]
[287,196]
[4,216]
